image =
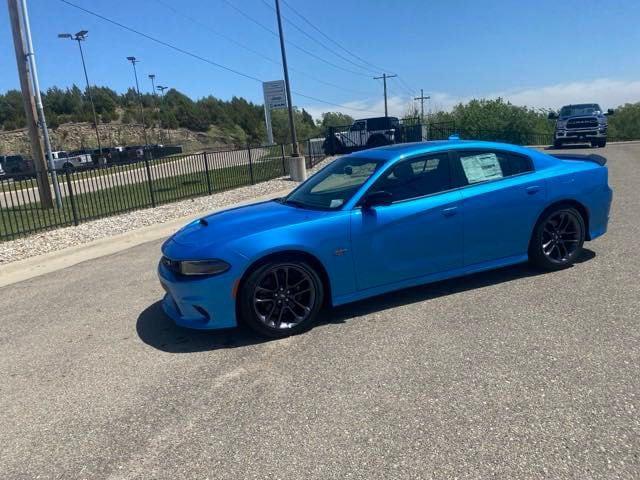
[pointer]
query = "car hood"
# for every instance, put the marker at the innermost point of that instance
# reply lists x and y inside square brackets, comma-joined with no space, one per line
[225,226]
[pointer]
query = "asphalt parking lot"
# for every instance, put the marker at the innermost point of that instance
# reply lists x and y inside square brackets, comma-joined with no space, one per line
[505,374]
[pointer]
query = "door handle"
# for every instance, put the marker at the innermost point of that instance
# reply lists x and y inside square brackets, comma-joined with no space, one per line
[450,211]
[532,190]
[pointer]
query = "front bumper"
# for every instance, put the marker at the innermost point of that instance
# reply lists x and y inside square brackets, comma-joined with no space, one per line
[581,134]
[204,303]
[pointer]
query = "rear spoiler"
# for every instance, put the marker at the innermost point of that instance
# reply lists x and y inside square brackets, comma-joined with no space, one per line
[592,157]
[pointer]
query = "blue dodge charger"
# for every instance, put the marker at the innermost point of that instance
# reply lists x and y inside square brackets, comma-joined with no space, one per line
[381,220]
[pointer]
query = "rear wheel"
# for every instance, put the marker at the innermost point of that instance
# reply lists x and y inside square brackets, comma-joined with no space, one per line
[602,143]
[377,141]
[68,167]
[557,239]
[280,299]
[557,144]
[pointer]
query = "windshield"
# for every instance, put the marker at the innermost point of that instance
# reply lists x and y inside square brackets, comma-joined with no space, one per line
[576,110]
[334,185]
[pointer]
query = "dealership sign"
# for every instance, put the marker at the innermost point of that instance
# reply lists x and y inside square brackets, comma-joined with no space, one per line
[275,95]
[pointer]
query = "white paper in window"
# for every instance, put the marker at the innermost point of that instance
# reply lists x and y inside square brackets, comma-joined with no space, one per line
[480,168]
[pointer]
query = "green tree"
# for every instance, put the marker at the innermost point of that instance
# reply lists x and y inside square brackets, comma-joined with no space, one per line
[625,123]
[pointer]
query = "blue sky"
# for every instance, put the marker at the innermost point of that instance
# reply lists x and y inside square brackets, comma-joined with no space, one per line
[539,53]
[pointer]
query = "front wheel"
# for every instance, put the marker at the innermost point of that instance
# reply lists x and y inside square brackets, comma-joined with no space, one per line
[557,239]
[280,299]
[557,144]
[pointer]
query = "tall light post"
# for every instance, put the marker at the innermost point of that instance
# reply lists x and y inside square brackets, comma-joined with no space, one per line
[162,88]
[152,77]
[299,168]
[133,61]
[80,37]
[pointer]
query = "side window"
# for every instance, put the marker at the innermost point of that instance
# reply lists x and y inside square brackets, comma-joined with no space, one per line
[358,126]
[416,177]
[479,166]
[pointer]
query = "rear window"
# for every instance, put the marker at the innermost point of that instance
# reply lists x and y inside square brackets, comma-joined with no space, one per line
[486,165]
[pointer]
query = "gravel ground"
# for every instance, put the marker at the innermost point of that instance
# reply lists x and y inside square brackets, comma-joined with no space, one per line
[53,240]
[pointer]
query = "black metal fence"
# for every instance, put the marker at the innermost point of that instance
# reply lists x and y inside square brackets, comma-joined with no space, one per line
[93,193]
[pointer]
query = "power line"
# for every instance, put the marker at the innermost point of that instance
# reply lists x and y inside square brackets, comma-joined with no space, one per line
[161,42]
[402,87]
[255,52]
[199,57]
[375,67]
[297,47]
[323,45]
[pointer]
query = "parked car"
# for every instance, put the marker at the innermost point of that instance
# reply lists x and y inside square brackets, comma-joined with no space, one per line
[367,132]
[16,165]
[381,220]
[69,161]
[581,123]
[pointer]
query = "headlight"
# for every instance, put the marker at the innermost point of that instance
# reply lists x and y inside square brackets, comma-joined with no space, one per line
[561,124]
[203,267]
[196,267]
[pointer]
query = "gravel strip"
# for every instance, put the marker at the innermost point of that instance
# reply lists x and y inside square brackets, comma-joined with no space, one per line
[53,240]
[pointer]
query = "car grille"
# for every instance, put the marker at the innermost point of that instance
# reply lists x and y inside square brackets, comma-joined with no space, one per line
[172,265]
[582,123]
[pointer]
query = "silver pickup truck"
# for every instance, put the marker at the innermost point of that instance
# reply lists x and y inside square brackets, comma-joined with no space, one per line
[582,123]
[63,160]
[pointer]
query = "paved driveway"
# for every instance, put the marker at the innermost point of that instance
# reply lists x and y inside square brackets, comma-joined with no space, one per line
[507,374]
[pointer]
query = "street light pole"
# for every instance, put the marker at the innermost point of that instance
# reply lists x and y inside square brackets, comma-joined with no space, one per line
[81,37]
[133,61]
[162,89]
[153,85]
[299,169]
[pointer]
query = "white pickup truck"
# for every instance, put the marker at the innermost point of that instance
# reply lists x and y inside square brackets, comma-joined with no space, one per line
[63,160]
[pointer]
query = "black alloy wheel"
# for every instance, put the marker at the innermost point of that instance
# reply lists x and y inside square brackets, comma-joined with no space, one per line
[281,299]
[558,239]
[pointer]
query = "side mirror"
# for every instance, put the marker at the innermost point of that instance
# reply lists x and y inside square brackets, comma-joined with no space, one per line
[611,111]
[552,116]
[375,199]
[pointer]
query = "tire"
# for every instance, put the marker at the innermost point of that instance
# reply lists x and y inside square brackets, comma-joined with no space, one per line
[557,144]
[602,143]
[557,239]
[68,167]
[595,143]
[281,298]
[377,141]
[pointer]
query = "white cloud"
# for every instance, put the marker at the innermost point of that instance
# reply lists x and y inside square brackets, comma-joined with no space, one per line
[609,93]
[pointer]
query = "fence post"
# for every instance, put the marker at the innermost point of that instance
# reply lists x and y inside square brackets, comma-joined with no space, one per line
[284,168]
[309,154]
[150,181]
[250,164]
[72,199]
[206,171]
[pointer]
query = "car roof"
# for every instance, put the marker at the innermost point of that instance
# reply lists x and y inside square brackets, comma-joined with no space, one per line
[402,150]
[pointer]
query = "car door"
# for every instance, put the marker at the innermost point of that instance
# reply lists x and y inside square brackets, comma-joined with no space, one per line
[502,198]
[420,233]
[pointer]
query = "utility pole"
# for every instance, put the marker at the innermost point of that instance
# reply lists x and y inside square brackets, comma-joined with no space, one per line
[297,164]
[384,81]
[422,98]
[81,37]
[28,96]
[133,61]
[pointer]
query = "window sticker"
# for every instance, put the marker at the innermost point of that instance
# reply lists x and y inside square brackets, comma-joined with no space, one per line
[482,167]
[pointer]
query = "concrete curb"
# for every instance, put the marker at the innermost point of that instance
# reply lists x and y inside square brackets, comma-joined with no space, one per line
[21,270]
